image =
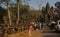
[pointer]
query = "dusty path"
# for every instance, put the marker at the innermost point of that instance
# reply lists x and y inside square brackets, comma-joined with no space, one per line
[25,34]
[37,33]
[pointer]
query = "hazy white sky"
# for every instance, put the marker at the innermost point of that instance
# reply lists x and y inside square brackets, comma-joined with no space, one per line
[35,3]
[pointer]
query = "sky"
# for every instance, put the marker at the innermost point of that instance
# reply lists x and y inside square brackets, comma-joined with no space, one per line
[36,4]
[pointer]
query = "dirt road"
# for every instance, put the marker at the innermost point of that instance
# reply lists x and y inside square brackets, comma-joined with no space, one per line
[37,33]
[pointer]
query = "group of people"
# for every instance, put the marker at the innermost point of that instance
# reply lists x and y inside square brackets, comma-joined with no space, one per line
[34,26]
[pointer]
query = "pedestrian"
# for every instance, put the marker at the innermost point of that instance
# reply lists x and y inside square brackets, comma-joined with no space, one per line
[30,29]
[40,25]
[35,26]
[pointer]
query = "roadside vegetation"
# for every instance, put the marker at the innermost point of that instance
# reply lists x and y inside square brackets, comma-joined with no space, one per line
[17,16]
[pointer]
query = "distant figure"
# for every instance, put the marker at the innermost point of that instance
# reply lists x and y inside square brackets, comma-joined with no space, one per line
[35,27]
[40,25]
[30,29]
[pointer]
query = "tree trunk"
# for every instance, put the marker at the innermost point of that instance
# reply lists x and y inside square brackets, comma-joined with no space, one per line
[9,17]
[8,13]
[18,11]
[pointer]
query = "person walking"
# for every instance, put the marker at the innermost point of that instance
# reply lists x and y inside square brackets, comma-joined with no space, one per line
[30,29]
[40,25]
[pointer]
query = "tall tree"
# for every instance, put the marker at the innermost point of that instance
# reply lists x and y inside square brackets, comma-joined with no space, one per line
[57,4]
[46,12]
[18,10]
[7,2]
[47,7]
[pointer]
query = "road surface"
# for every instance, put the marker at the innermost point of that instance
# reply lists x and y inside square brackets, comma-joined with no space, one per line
[37,33]
[50,33]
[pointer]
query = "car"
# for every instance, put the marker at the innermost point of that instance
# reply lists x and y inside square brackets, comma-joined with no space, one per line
[52,25]
[57,26]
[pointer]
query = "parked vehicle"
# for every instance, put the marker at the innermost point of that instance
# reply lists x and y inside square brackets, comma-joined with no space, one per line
[58,26]
[52,25]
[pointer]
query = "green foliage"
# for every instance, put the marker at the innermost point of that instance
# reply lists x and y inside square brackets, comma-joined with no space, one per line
[2,14]
[43,10]
[25,8]
[47,8]
[57,4]
[36,16]
[25,11]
